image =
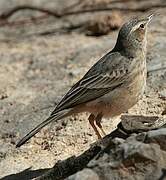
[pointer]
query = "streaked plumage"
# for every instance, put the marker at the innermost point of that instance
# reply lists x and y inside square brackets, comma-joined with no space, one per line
[112,85]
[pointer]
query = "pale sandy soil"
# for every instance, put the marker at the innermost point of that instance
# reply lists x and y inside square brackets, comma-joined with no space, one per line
[35,71]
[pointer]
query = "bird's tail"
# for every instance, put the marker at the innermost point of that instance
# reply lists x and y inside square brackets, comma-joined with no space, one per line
[53,117]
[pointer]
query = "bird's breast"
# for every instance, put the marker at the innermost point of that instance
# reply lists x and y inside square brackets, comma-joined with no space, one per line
[124,97]
[136,81]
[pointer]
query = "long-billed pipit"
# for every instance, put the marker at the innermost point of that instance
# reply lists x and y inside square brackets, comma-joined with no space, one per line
[112,85]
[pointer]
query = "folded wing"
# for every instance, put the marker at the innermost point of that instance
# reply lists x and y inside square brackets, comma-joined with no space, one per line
[102,78]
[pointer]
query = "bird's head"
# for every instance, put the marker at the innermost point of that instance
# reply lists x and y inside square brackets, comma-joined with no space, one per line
[132,35]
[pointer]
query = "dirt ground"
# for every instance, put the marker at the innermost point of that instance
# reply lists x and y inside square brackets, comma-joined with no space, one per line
[36,71]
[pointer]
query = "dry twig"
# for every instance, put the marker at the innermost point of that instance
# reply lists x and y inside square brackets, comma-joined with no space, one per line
[68,11]
[65,168]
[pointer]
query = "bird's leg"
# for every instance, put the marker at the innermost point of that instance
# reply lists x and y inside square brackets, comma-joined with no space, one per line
[98,123]
[91,121]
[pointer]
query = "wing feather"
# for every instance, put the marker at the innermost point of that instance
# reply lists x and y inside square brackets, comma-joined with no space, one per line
[95,83]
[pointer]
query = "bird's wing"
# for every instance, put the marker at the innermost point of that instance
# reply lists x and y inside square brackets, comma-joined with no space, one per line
[106,75]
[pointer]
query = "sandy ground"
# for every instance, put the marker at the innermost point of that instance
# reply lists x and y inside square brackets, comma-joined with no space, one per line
[36,71]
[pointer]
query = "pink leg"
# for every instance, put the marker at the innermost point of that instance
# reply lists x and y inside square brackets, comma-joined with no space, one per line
[91,121]
[98,123]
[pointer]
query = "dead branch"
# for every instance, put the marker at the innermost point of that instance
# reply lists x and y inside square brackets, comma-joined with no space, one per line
[140,9]
[71,165]
[74,164]
[10,12]
[33,20]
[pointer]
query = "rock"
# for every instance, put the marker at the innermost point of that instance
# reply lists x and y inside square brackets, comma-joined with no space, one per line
[34,75]
[157,137]
[102,25]
[86,174]
[133,159]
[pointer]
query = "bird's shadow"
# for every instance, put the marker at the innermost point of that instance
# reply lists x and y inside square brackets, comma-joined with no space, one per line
[26,174]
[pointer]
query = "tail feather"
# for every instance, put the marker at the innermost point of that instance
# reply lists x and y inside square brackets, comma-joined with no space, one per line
[53,117]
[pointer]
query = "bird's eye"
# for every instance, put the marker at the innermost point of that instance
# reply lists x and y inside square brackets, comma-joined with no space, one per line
[142,26]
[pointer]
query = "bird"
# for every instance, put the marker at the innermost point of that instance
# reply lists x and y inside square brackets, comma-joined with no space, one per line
[112,85]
